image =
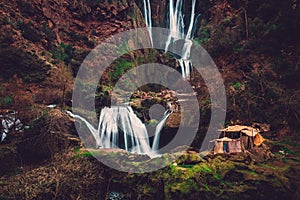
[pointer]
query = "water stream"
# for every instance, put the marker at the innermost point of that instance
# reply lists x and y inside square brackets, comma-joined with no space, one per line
[179,30]
[119,127]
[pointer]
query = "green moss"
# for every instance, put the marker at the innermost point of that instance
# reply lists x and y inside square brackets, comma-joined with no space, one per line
[206,187]
[186,166]
[237,85]
[204,36]
[119,68]
[77,149]
[268,166]
[185,187]
[83,154]
[202,168]
[6,101]
[86,154]
[249,172]
[218,176]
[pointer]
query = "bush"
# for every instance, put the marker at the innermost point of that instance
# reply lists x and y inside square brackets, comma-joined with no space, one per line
[119,68]
[46,137]
[64,52]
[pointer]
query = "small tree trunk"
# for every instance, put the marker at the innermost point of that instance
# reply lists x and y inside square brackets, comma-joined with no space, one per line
[63,97]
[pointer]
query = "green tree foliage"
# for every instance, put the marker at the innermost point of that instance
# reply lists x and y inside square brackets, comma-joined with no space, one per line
[64,52]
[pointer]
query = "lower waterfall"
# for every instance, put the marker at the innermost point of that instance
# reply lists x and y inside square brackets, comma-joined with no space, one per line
[119,127]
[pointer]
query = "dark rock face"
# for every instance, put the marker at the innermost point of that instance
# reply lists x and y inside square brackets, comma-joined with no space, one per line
[9,160]
[31,32]
[158,9]
[16,61]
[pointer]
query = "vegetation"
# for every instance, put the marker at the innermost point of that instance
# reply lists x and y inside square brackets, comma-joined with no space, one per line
[60,80]
[119,68]
[256,47]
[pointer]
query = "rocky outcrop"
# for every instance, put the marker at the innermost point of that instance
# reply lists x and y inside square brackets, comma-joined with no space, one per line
[38,28]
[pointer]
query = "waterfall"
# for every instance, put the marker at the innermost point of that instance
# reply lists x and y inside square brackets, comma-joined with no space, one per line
[122,119]
[89,126]
[148,18]
[160,125]
[176,25]
[9,123]
[119,127]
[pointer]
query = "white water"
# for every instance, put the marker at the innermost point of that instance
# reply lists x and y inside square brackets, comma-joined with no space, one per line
[158,129]
[9,122]
[148,18]
[119,127]
[178,32]
[134,131]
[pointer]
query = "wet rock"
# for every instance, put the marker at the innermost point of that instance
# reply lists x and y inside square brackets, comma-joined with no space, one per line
[174,120]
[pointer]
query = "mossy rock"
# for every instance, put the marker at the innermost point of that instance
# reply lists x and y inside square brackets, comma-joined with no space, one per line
[190,157]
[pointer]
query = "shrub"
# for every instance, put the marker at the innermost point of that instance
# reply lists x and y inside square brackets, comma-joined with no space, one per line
[64,52]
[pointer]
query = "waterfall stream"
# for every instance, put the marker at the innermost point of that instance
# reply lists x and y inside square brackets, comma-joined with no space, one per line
[119,127]
[148,17]
[177,25]
[9,122]
[158,129]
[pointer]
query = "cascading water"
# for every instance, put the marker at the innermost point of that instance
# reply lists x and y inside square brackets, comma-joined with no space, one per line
[148,18]
[158,129]
[9,122]
[178,32]
[119,127]
[122,119]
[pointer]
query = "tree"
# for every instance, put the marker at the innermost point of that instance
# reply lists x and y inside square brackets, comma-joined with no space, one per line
[60,81]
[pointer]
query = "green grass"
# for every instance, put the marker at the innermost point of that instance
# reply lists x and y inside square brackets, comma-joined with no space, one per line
[237,85]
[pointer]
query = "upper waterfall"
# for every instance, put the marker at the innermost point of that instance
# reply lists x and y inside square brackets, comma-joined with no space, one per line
[178,31]
[148,18]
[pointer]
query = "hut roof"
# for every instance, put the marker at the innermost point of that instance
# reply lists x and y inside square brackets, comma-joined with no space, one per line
[224,139]
[248,130]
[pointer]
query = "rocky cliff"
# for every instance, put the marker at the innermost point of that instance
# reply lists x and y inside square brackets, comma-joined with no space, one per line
[37,34]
